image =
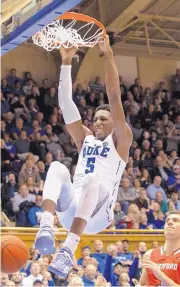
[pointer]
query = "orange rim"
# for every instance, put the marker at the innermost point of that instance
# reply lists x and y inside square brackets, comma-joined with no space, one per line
[83,18]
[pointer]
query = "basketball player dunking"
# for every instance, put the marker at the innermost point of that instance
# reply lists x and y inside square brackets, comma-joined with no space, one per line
[87,204]
[162,264]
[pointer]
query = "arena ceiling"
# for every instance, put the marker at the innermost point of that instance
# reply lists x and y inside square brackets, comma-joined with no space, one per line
[137,27]
[140,27]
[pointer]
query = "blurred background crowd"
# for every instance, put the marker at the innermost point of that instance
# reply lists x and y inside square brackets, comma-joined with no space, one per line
[115,266]
[33,135]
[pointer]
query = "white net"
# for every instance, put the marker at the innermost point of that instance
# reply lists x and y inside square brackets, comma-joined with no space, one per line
[68,33]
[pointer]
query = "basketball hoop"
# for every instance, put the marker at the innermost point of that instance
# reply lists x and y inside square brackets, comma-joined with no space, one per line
[70,29]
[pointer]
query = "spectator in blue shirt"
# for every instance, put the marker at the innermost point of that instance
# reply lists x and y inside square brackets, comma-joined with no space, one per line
[153,188]
[23,146]
[4,87]
[34,213]
[90,275]
[174,199]
[117,271]
[8,192]
[17,90]
[86,260]
[111,261]
[173,182]
[155,216]
[9,145]
[12,77]
[35,128]
[15,131]
[143,224]
[9,118]
[85,252]
[99,255]
[125,255]
[114,268]
[5,107]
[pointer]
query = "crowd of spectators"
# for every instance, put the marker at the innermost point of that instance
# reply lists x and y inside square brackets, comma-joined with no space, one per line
[33,135]
[111,266]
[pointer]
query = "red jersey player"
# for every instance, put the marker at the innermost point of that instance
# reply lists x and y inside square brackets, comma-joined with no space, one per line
[162,265]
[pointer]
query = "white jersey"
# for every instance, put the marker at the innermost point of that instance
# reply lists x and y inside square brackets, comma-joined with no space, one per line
[101,158]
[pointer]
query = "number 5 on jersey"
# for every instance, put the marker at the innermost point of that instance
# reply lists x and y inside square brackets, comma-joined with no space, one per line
[90,165]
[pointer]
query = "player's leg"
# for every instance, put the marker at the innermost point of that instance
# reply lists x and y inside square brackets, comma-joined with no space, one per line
[88,202]
[57,189]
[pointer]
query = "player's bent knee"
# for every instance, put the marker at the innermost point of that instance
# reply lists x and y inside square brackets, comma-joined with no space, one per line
[58,167]
[55,165]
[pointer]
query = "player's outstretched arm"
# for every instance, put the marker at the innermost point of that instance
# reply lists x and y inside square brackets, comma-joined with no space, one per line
[70,112]
[122,130]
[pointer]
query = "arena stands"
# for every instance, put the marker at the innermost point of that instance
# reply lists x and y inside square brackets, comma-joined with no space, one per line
[33,135]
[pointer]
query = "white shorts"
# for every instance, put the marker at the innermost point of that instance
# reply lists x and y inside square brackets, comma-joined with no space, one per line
[100,219]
